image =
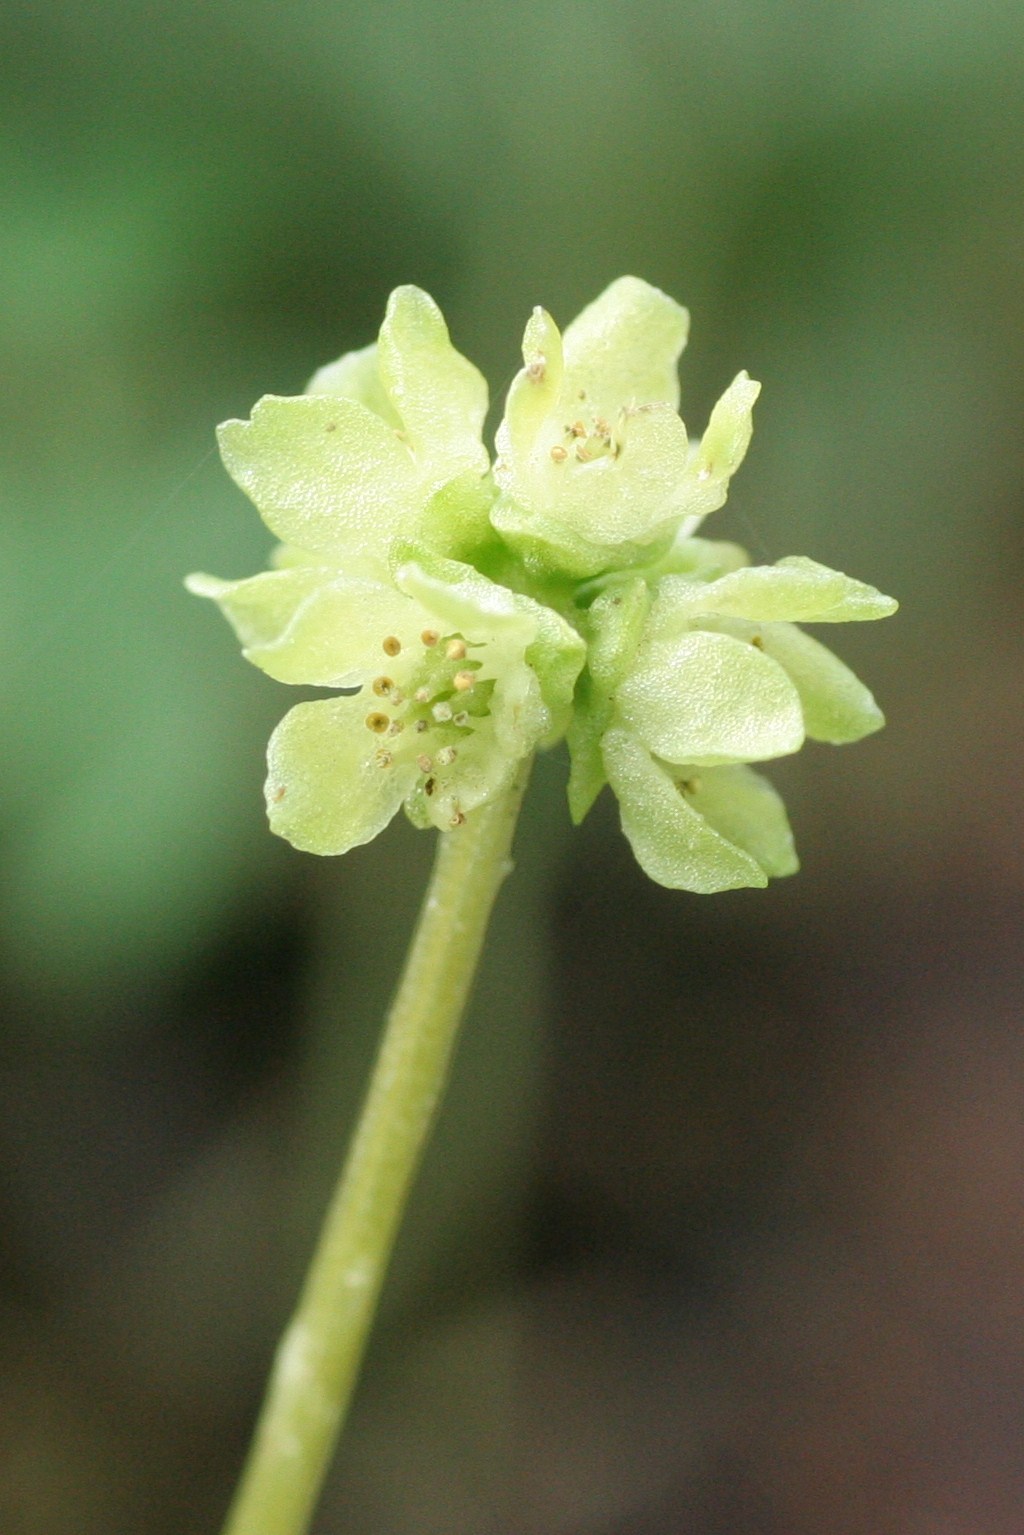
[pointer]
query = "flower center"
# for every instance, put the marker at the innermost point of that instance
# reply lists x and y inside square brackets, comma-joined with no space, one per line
[428,718]
[590,437]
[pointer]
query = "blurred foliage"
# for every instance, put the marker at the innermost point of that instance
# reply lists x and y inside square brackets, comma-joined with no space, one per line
[202,204]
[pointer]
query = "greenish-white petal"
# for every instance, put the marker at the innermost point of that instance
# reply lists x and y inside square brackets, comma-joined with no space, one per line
[535,392]
[326,474]
[837,707]
[356,376]
[439,394]
[590,720]
[325,790]
[615,625]
[709,698]
[727,438]
[672,841]
[747,810]
[310,625]
[466,601]
[623,349]
[796,590]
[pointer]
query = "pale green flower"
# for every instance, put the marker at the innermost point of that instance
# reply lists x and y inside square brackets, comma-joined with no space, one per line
[686,688]
[595,467]
[381,455]
[458,680]
[409,578]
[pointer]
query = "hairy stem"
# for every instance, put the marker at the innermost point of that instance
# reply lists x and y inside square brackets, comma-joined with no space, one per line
[317,1360]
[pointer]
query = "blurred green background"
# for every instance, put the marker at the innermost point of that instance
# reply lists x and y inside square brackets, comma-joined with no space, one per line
[722,1229]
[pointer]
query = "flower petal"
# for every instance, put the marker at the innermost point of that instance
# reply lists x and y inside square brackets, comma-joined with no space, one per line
[306,624]
[624,348]
[727,437]
[672,841]
[325,792]
[326,474]
[837,707]
[796,589]
[440,396]
[709,698]
[356,376]
[746,810]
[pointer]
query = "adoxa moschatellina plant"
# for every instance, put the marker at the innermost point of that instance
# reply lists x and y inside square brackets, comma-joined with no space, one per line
[466,614]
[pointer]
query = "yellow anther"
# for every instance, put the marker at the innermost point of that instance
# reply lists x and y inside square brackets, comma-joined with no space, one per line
[463,681]
[446,756]
[392,645]
[430,637]
[382,686]
[424,763]
[455,650]
[442,712]
[559,454]
[378,723]
[457,819]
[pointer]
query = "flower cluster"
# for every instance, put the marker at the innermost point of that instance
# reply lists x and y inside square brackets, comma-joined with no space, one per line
[469,614]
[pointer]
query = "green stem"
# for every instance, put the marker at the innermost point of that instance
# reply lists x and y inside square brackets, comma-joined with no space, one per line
[317,1360]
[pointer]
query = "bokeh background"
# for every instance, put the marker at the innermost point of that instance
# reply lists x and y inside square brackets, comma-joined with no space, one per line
[722,1227]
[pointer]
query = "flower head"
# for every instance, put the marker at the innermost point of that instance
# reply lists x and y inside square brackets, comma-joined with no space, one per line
[688,686]
[595,467]
[380,453]
[469,618]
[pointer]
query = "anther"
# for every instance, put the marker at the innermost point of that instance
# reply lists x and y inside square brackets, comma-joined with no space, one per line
[757,642]
[378,723]
[578,429]
[461,719]
[424,763]
[446,756]
[430,786]
[382,686]
[463,681]
[383,758]
[559,454]
[455,650]
[537,368]
[457,819]
[442,712]
[396,727]
[422,695]
[420,726]
[392,645]
[430,637]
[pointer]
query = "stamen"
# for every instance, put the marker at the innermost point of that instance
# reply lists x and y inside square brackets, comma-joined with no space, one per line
[430,786]
[461,719]
[442,712]
[378,723]
[537,368]
[420,726]
[392,645]
[455,650]
[383,758]
[457,819]
[382,686]
[559,454]
[463,681]
[422,695]
[430,637]
[396,727]
[424,763]
[446,756]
